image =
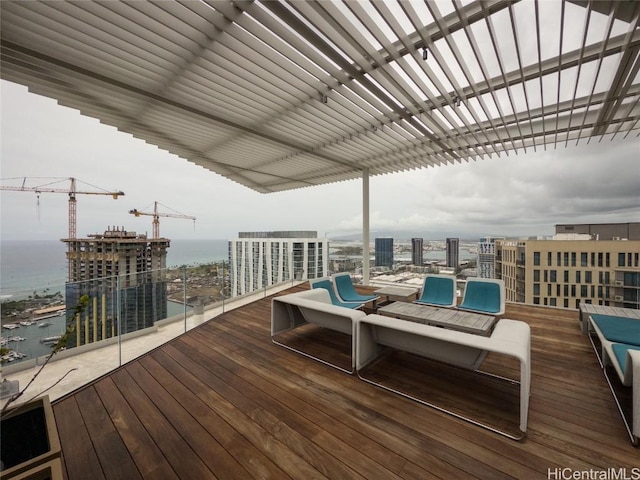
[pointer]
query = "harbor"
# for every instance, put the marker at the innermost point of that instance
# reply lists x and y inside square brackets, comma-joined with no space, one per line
[30,339]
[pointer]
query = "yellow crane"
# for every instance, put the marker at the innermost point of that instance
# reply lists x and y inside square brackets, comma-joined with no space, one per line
[72,191]
[156,217]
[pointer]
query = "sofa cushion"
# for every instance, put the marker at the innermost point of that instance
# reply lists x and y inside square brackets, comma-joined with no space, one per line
[618,329]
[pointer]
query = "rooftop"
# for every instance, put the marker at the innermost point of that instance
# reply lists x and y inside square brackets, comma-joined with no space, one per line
[222,401]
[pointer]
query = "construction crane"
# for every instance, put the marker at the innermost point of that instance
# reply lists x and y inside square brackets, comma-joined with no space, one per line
[156,217]
[71,191]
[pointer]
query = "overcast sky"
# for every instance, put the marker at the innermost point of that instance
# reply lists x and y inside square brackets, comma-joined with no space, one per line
[515,195]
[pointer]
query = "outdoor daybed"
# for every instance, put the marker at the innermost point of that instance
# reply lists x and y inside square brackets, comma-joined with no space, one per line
[462,349]
[620,347]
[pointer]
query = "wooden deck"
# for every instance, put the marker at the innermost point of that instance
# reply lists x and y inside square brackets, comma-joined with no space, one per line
[222,401]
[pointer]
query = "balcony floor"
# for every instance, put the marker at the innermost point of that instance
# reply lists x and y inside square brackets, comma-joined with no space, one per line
[221,401]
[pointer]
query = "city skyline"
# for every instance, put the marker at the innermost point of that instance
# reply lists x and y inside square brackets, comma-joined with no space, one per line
[521,194]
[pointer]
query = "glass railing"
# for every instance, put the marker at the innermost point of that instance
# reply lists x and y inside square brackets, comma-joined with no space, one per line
[99,325]
[105,310]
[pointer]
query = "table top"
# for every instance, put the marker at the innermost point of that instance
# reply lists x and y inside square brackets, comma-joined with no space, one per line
[469,322]
[397,291]
[607,310]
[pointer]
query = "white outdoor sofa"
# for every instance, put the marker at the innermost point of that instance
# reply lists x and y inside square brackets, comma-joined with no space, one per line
[467,350]
[313,306]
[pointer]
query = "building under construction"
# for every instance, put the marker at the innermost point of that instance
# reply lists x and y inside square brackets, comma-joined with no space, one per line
[116,268]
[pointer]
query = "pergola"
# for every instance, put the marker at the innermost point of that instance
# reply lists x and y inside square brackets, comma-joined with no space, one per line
[278,95]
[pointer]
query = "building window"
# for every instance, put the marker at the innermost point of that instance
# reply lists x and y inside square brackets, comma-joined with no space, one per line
[553,276]
[587,276]
[631,279]
[549,258]
[583,291]
[584,259]
[546,276]
[536,289]
[578,276]
[621,259]
[566,276]
[607,259]
[566,259]
[573,290]
[536,258]
[536,275]
[552,302]
[573,259]
[600,259]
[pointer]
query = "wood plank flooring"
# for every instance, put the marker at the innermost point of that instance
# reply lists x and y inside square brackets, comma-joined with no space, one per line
[222,401]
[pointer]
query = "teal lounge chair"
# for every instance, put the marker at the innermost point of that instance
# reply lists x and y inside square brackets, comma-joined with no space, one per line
[438,291]
[328,286]
[484,295]
[346,292]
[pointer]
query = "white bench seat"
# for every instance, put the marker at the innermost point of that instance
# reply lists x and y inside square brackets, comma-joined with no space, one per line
[462,349]
[313,307]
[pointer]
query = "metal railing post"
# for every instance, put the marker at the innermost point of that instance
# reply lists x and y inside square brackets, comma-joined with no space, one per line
[184,296]
[119,319]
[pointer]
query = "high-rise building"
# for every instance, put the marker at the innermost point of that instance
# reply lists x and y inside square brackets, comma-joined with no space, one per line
[602,231]
[262,259]
[487,257]
[124,276]
[567,271]
[417,257]
[384,252]
[453,252]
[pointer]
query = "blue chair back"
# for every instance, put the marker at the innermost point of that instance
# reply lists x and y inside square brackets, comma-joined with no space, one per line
[346,291]
[482,297]
[438,291]
[328,286]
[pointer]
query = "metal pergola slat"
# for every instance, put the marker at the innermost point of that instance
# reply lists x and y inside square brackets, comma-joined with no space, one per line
[239,87]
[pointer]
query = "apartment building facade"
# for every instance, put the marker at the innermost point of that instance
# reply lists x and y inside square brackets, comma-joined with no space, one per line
[453,252]
[570,269]
[383,253]
[262,259]
[487,257]
[124,276]
[417,251]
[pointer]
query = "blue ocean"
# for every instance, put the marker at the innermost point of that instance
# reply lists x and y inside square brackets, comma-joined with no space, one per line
[30,267]
[38,265]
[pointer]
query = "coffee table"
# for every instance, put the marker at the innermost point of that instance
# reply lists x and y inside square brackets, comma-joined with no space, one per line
[403,294]
[440,317]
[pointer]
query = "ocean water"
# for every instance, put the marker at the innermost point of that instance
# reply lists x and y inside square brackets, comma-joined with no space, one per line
[36,265]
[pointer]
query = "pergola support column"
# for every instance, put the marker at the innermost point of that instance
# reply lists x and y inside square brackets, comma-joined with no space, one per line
[365,227]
